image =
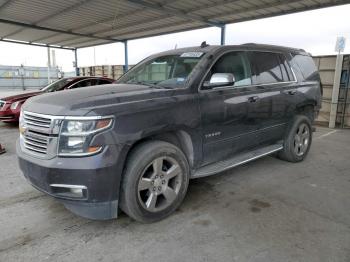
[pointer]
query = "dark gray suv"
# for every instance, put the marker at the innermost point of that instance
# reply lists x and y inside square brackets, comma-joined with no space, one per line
[186,113]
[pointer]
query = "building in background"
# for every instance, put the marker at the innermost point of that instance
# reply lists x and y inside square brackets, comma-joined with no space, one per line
[27,77]
[110,71]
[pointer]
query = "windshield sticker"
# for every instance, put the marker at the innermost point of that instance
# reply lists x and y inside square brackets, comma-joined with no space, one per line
[192,54]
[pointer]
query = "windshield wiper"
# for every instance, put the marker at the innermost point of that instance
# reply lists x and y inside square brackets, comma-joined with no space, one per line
[147,84]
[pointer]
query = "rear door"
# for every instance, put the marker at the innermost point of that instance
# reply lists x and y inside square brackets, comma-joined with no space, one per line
[273,79]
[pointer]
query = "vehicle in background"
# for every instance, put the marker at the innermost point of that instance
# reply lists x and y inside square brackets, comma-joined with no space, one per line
[186,113]
[10,107]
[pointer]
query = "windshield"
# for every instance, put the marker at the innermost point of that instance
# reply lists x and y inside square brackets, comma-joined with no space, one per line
[57,85]
[169,71]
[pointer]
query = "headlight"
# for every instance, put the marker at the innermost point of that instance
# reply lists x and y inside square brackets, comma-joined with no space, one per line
[76,136]
[15,105]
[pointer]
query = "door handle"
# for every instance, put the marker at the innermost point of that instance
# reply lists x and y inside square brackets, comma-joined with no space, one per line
[253,99]
[291,92]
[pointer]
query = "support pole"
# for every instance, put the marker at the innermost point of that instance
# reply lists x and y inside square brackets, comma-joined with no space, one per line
[76,62]
[126,62]
[48,66]
[335,91]
[223,34]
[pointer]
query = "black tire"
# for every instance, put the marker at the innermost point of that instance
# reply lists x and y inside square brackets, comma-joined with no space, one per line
[139,165]
[290,151]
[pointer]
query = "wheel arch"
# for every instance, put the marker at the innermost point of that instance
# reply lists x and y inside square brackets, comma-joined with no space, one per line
[308,109]
[180,138]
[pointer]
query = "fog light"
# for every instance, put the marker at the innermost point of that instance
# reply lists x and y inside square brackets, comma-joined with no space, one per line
[69,191]
[77,191]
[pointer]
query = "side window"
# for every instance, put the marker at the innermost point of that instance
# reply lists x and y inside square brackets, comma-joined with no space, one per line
[82,83]
[235,63]
[306,65]
[103,82]
[268,68]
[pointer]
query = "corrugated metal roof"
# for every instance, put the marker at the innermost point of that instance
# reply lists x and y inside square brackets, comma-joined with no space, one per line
[81,23]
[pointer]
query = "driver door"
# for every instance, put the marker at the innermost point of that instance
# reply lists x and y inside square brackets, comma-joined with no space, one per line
[226,125]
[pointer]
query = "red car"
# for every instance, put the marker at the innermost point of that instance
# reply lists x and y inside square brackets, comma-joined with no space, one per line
[10,107]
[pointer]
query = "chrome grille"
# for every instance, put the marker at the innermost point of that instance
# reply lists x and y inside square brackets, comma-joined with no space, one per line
[39,134]
[37,143]
[33,120]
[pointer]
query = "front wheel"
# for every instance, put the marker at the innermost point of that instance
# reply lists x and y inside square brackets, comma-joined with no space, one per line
[155,181]
[298,140]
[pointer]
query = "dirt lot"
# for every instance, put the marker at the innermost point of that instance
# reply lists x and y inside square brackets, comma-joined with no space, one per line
[267,210]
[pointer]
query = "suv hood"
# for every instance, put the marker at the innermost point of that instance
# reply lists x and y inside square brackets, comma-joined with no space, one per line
[79,102]
[19,97]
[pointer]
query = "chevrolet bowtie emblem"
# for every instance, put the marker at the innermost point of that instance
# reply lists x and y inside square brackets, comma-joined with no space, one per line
[22,129]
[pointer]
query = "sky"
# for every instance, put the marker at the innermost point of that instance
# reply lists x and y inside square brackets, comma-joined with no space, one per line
[315,31]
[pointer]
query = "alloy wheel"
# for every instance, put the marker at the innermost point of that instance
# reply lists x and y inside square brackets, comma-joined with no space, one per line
[301,139]
[159,184]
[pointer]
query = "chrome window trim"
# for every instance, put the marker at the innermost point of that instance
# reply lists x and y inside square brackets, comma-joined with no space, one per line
[85,79]
[200,90]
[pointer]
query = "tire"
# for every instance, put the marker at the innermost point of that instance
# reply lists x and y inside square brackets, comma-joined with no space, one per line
[154,182]
[298,140]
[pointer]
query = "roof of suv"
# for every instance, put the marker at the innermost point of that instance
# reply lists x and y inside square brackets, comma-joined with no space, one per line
[211,48]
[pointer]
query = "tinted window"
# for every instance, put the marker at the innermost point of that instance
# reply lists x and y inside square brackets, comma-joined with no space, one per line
[268,68]
[58,85]
[103,82]
[235,63]
[306,65]
[83,83]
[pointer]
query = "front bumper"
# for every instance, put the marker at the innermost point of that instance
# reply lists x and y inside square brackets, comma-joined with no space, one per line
[9,115]
[99,175]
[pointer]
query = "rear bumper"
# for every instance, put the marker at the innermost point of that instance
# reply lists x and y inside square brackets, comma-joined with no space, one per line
[97,176]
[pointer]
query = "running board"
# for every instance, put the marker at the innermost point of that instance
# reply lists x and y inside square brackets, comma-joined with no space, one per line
[235,161]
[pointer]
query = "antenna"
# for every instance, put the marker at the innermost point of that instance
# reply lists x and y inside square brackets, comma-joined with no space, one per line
[204,44]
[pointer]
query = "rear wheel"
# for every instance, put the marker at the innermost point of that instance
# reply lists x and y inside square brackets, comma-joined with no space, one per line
[298,140]
[155,181]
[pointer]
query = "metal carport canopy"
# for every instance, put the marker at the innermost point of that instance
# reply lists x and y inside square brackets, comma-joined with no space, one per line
[82,23]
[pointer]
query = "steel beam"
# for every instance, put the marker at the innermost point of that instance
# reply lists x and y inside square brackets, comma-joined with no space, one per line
[126,57]
[174,12]
[76,62]
[10,22]
[33,44]
[64,10]
[106,21]
[280,12]
[238,12]
[223,35]
[48,66]
[5,4]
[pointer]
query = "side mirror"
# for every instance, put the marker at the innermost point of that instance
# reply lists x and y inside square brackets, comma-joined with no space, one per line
[219,80]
